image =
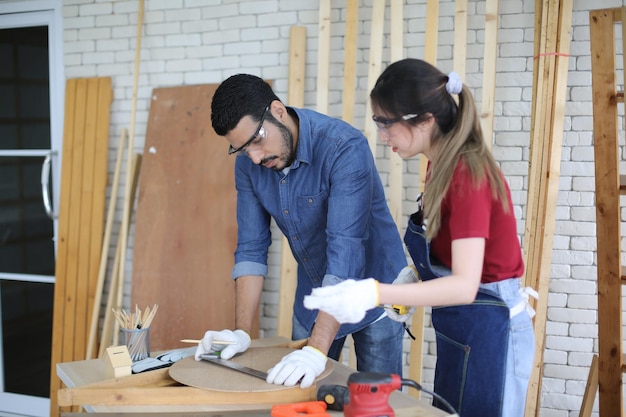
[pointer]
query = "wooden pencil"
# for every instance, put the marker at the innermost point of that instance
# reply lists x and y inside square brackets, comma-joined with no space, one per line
[215,342]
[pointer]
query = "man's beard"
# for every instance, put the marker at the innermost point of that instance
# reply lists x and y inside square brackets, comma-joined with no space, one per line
[287,153]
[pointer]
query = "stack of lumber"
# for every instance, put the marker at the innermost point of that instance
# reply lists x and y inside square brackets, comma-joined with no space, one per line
[553,21]
[81,218]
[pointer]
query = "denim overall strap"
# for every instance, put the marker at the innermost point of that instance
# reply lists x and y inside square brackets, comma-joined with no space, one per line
[472,340]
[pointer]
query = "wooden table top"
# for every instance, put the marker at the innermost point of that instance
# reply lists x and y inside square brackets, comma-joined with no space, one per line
[155,392]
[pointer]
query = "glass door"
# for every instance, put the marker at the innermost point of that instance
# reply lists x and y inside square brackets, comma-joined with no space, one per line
[29,176]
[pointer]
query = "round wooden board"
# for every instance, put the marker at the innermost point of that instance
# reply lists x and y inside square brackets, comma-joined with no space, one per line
[207,375]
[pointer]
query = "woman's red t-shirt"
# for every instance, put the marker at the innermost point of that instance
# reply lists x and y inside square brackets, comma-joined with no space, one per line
[472,211]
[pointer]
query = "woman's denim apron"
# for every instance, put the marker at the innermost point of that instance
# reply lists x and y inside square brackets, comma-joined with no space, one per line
[472,339]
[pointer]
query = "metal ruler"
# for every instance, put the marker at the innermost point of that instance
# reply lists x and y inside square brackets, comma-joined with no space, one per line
[233,365]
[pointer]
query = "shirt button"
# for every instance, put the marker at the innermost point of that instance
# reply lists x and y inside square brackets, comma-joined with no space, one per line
[306,259]
[310,201]
[295,238]
[286,211]
[282,181]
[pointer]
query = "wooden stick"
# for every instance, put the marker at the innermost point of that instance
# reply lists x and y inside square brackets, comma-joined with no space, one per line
[107,337]
[95,312]
[131,137]
[590,389]
[215,342]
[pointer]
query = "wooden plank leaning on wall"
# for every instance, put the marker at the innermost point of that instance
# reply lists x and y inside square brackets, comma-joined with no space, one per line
[288,264]
[553,19]
[81,219]
[609,189]
[416,353]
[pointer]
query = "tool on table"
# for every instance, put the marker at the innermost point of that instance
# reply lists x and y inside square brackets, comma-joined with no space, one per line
[367,394]
[309,409]
[213,358]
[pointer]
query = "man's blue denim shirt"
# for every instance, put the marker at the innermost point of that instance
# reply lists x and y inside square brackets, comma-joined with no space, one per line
[331,207]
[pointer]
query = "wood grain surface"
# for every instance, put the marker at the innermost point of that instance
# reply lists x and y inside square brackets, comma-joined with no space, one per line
[186,228]
[207,375]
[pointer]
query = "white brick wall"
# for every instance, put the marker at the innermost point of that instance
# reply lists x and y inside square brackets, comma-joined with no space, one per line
[205,41]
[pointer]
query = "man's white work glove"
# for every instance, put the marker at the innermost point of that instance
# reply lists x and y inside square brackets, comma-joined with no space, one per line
[305,364]
[347,302]
[408,275]
[239,337]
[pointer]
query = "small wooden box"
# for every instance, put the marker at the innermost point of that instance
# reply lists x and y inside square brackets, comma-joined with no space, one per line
[117,362]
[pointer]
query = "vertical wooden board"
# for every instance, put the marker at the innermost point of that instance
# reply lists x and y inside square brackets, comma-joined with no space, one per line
[297,63]
[74,208]
[489,70]
[546,140]
[62,237]
[419,316]
[608,233]
[534,180]
[186,230]
[105,97]
[86,205]
[288,264]
[323,55]
[460,37]
[430,56]
[396,164]
[349,61]
[72,290]
[374,67]
[97,286]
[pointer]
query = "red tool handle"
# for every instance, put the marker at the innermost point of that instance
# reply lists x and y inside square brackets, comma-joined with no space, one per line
[310,408]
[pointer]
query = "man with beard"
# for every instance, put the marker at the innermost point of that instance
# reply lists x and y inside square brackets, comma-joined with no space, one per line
[316,177]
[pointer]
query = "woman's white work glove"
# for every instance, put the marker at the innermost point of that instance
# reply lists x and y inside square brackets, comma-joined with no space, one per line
[302,365]
[240,339]
[408,275]
[347,302]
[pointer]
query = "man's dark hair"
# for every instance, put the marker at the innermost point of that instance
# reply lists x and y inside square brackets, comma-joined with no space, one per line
[238,96]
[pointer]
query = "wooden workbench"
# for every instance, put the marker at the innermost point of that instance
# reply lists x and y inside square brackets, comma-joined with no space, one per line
[154,392]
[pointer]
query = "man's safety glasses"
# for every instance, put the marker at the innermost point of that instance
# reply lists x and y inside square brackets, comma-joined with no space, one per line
[232,150]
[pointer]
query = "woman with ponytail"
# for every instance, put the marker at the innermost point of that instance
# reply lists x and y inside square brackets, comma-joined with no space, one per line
[467,260]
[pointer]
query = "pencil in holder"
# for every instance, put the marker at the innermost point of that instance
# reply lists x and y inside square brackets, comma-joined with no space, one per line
[137,341]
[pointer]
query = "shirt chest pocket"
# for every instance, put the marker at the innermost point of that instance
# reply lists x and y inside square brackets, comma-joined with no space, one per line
[312,209]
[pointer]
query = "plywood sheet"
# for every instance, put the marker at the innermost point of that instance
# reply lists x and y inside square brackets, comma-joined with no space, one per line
[186,229]
[207,375]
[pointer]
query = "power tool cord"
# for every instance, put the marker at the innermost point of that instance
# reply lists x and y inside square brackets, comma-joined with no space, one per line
[411,383]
